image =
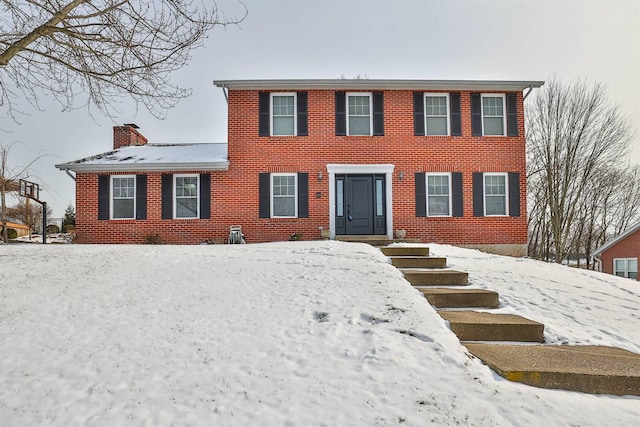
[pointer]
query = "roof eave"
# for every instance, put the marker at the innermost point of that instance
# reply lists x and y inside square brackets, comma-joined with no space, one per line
[141,167]
[474,85]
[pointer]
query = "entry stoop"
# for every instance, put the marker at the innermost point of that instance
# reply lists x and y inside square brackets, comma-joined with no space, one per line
[418,262]
[460,298]
[419,277]
[589,369]
[477,326]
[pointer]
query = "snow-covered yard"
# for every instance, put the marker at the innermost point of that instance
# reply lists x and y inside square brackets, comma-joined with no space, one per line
[292,333]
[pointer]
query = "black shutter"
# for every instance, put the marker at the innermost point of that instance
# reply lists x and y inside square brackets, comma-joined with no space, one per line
[264,194]
[378,113]
[205,195]
[421,194]
[418,113]
[141,196]
[264,99]
[456,119]
[103,196]
[514,194]
[476,114]
[456,194]
[478,194]
[512,114]
[167,196]
[341,114]
[303,116]
[303,195]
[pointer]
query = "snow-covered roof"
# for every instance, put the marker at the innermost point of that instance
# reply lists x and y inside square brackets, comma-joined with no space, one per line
[155,157]
[620,237]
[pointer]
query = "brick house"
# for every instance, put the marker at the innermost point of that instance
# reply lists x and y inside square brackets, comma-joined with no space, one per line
[443,161]
[620,255]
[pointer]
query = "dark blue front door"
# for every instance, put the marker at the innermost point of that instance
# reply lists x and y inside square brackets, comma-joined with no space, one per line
[360,205]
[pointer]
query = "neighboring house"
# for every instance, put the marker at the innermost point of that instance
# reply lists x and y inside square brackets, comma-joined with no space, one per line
[442,160]
[620,255]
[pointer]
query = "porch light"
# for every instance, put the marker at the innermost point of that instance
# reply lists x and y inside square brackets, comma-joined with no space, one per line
[320,176]
[400,175]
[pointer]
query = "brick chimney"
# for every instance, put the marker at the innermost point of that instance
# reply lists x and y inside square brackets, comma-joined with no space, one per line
[126,135]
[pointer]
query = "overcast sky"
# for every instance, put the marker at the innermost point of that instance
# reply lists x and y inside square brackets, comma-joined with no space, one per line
[390,39]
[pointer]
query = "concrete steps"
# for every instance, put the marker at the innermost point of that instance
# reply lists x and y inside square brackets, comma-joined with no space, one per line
[418,277]
[375,240]
[477,326]
[396,251]
[460,298]
[589,369]
[418,262]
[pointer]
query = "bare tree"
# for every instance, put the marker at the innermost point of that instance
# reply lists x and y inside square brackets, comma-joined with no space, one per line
[100,50]
[573,135]
[9,182]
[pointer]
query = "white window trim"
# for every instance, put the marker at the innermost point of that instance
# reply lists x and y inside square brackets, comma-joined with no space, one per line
[295,194]
[427,175]
[504,111]
[135,193]
[506,190]
[626,266]
[175,197]
[432,94]
[295,112]
[370,95]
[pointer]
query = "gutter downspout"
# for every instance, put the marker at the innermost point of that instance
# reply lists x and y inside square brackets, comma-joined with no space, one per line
[224,90]
[69,173]
[528,93]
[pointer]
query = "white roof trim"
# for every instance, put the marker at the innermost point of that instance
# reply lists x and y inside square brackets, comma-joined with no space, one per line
[142,167]
[371,84]
[620,237]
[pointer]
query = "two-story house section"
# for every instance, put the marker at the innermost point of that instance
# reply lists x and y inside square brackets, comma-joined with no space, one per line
[443,161]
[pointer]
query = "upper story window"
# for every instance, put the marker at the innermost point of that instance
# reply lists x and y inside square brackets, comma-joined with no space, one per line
[626,267]
[284,195]
[436,109]
[283,114]
[495,194]
[186,196]
[493,116]
[438,194]
[123,197]
[359,118]
[359,113]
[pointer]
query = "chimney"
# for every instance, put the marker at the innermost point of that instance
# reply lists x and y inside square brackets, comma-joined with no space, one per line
[126,135]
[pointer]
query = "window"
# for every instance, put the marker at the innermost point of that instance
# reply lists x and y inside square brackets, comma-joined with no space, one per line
[359,118]
[438,194]
[283,196]
[123,197]
[495,194]
[436,108]
[186,196]
[283,114]
[493,117]
[626,267]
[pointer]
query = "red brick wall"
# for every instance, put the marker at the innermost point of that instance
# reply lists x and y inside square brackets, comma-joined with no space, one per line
[628,247]
[234,193]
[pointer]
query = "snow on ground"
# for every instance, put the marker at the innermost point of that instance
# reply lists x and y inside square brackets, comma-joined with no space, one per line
[294,333]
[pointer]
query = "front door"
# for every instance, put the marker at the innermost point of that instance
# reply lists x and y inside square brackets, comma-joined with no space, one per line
[360,205]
